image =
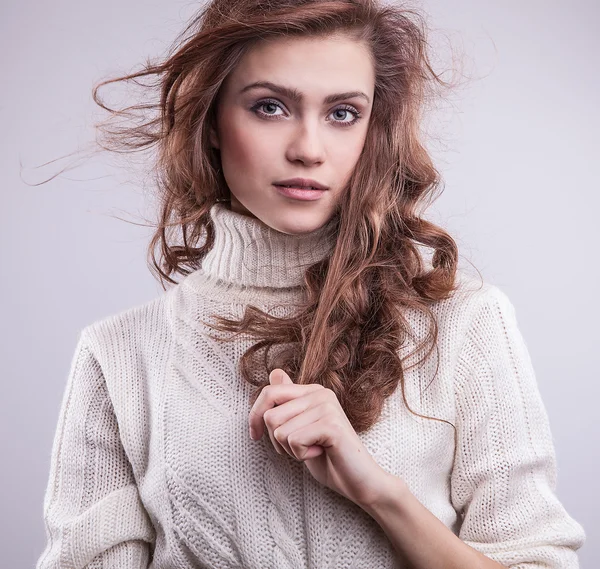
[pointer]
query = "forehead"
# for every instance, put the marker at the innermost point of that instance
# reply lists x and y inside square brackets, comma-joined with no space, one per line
[315,65]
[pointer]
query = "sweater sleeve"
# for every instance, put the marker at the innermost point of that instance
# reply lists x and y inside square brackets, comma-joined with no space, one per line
[504,477]
[93,514]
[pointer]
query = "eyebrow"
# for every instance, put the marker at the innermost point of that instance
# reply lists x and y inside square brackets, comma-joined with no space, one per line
[296,95]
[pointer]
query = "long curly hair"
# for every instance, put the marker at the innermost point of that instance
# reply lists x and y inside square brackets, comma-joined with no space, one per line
[351,321]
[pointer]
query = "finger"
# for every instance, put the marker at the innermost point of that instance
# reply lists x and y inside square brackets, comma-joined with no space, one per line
[272,396]
[298,414]
[278,376]
[310,440]
[276,444]
[279,414]
[283,416]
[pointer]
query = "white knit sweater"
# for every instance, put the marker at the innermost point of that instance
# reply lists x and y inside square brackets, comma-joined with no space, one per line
[152,464]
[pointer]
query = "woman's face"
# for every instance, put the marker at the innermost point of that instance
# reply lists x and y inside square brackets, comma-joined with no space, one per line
[266,135]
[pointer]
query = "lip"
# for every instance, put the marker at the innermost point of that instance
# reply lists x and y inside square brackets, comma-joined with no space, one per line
[301,182]
[299,193]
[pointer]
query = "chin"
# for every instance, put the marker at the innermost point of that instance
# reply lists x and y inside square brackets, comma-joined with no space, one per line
[297,225]
[298,228]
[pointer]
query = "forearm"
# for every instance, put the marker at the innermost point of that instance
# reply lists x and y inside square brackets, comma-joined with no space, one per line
[417,535]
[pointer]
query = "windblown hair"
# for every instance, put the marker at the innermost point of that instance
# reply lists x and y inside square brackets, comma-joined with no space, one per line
[351,323]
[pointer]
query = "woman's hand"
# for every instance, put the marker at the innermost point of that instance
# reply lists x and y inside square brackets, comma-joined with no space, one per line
[308,423]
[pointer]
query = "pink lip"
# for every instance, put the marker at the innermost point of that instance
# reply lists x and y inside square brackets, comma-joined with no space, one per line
[299,182]
[299,193]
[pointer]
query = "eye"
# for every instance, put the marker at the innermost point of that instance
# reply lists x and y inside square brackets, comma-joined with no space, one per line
[348,109]
[265,103]
[273,103]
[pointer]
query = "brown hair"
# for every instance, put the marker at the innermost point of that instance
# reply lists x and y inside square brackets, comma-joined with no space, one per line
[351,322]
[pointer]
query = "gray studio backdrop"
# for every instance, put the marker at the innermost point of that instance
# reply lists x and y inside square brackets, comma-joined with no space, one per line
[518,149]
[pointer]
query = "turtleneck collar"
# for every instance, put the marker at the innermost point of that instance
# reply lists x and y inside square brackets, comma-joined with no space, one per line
[247,252]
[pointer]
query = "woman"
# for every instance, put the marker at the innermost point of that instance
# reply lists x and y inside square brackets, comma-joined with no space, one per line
[395,419]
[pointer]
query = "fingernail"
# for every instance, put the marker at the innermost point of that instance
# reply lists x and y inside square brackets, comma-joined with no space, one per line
[252,433]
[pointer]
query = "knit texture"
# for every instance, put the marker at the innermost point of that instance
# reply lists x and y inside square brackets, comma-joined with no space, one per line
[152,464]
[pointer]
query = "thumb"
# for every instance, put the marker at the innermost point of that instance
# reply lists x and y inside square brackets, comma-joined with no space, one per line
[278,376]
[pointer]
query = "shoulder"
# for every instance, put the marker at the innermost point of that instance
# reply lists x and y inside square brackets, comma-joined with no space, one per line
[473,301]
[136,329]
[472,292]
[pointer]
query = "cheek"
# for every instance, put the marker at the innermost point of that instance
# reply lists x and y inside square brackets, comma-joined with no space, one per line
[243,145]
[346,154]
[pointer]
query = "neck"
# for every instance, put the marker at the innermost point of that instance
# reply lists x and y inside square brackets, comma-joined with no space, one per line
[248,252]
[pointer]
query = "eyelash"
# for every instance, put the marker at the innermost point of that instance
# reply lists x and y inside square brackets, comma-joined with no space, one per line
[356,113]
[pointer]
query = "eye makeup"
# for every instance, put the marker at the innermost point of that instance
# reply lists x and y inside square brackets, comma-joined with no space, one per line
[274,102]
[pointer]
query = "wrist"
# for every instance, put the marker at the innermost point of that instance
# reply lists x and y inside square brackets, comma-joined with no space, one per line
[390,492]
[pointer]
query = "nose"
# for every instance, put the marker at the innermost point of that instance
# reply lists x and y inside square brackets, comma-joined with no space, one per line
[306,144]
